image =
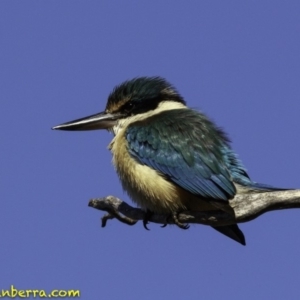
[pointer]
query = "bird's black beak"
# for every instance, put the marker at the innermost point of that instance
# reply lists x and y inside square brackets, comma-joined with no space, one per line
[101,120]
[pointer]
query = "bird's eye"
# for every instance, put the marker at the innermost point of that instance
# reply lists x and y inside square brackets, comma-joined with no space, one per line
[128,106]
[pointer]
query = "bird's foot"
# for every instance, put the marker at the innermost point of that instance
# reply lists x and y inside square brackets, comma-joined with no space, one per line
[178,223]
[147,216]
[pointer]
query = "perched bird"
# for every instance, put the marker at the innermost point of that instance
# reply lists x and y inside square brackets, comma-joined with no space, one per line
[169,158]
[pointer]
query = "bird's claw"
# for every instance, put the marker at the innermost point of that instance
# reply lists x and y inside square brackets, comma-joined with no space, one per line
[174,217]
[147,216]
[178,223]
[145,223]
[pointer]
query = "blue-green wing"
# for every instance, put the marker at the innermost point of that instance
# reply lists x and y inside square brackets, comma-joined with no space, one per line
[187,149]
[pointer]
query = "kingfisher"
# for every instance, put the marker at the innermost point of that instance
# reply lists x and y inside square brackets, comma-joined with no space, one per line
[169,158]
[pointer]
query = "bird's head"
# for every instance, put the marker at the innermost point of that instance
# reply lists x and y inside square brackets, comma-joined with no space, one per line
[134,97]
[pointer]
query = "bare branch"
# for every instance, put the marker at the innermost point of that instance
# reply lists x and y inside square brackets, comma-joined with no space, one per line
[246,207]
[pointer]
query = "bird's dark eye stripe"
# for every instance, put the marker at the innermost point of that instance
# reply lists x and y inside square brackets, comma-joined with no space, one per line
[140,106]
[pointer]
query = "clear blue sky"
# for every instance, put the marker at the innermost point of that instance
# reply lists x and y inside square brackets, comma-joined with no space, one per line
[238,61]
